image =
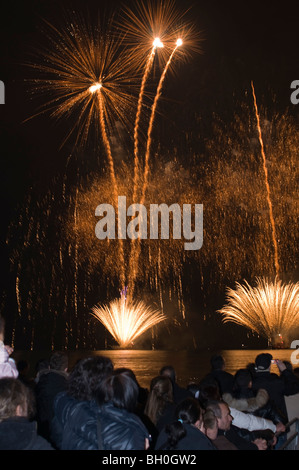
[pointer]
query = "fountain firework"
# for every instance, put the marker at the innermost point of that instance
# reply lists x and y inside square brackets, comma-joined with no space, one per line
[127,320]
[271,309]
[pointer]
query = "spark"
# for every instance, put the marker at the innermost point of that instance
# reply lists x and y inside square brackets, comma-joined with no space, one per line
[270,309]
[158,43]
[95,87]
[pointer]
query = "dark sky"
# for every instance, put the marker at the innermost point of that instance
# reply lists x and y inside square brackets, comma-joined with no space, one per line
[243,41]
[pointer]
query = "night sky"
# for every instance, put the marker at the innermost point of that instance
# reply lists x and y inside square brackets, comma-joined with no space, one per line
[242,41]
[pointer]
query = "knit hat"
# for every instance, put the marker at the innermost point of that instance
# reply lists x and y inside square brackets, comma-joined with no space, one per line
[263,361]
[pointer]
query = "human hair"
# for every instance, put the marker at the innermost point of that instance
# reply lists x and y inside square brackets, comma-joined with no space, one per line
[214,406]
[169,371]
[159,395]
[208,390]
[187,412]
[194,388]
[13,394]
[127,371]
[217,362]
[59,361]
[120,388]
[87,375]
[242,379]
[209,419]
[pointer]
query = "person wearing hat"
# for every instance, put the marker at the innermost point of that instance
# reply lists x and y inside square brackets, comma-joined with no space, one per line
[277,386]
[263,361]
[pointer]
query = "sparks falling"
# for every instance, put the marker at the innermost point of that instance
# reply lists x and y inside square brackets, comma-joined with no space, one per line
[271,309]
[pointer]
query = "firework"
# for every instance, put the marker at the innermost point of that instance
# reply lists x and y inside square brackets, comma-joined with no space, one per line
[148,27]
[127,320]
[43,228]
[157,43]
[83,59]
[151,24]
[266,182]
[153,113]
[271,309]
[136,249]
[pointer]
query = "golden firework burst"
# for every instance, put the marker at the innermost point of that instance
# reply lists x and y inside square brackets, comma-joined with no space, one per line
[271,309]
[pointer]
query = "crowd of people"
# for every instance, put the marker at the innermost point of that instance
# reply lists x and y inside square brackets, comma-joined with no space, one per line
[95,406]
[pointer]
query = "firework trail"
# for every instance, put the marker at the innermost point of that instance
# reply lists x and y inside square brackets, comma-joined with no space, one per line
[277,268]
[136,250]
[151,123]
[148,67]
[97,88]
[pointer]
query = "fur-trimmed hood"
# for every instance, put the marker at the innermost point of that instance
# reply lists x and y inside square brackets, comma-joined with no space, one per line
[247,404]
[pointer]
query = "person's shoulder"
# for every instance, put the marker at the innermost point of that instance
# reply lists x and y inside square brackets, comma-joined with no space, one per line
[40,443]
[201,441]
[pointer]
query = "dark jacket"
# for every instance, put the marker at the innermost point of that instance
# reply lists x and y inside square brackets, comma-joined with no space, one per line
[120,429]
[74,425]
[193,440]
[223,379]
[50,383]
[166,416]
[180,393]
[277,387]
[83,425]
[19,433]
[239,441]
